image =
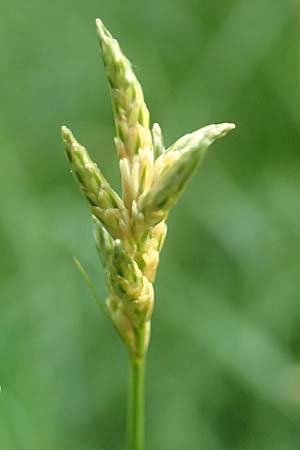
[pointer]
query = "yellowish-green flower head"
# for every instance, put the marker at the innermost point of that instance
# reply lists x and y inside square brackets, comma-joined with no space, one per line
[130,230]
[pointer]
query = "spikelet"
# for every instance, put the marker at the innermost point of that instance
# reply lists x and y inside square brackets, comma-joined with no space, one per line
[133,140]
[175,167]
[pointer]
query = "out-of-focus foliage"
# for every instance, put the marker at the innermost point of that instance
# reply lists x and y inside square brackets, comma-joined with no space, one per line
[223,368]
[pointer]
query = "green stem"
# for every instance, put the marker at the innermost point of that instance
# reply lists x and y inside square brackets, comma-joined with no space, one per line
[136,403]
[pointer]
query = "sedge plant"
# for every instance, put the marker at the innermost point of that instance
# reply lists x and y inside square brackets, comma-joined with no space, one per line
[130,229]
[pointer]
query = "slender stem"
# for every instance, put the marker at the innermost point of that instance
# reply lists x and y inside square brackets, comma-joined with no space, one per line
[136,403]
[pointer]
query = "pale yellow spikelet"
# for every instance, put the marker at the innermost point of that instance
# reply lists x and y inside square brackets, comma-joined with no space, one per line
[134,140]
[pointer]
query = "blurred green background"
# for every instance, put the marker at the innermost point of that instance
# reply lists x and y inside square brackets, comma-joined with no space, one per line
[224,369]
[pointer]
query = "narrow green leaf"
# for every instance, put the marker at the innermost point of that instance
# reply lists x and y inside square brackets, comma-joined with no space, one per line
[92,288]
